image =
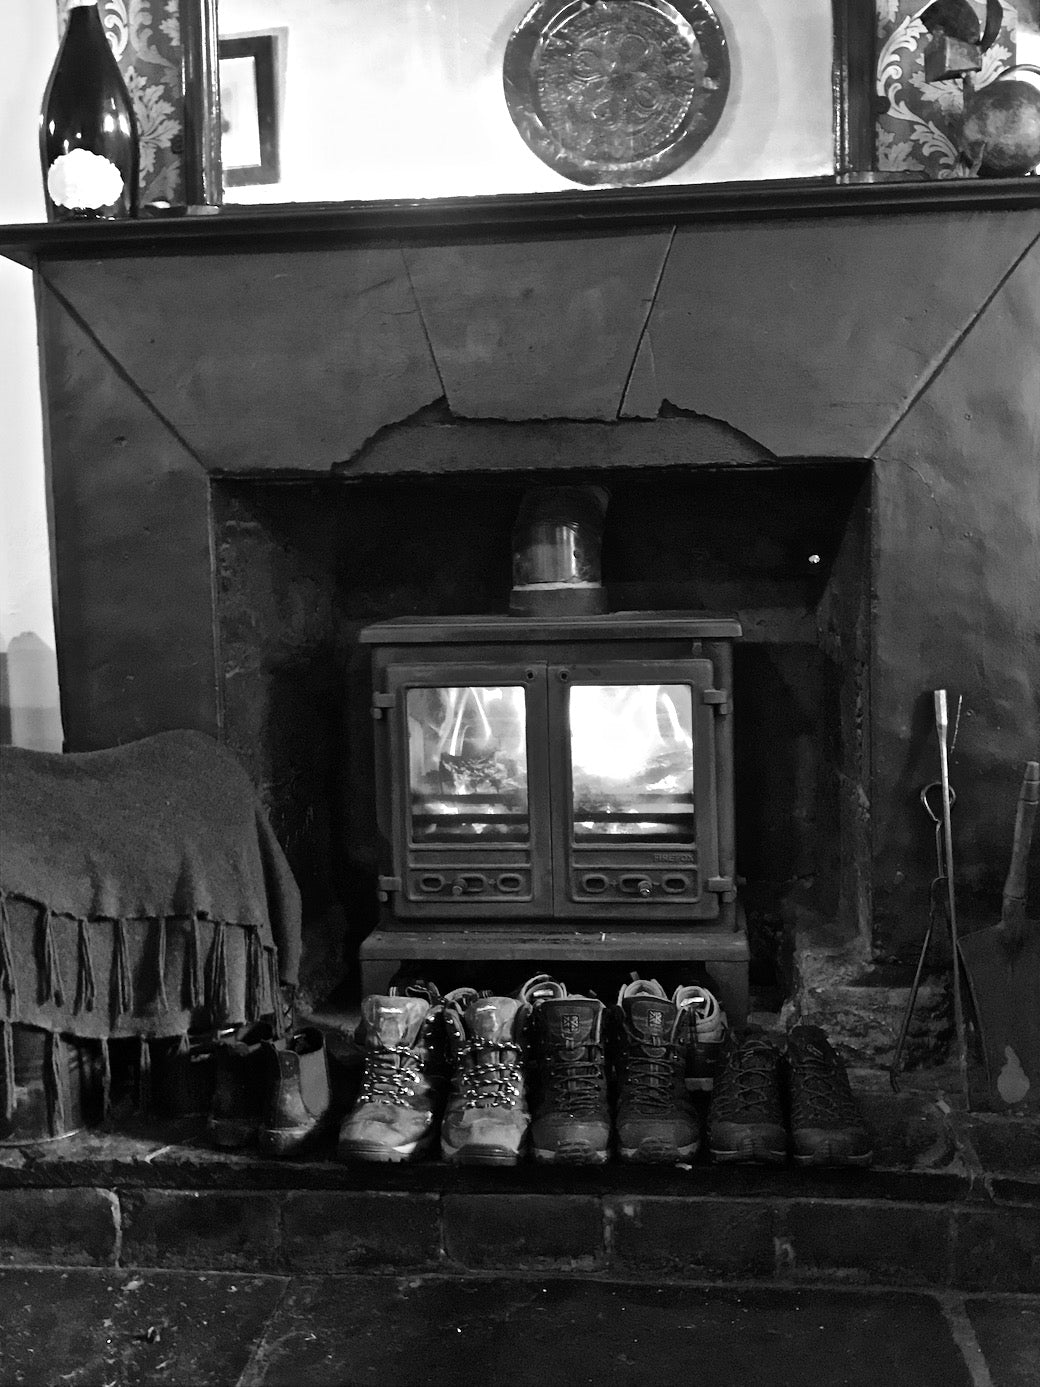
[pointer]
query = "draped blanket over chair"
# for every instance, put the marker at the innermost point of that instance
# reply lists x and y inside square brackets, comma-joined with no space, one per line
[142,891]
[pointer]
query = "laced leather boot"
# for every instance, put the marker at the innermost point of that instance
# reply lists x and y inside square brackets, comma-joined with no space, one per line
[746,1121]
[571,1120]
[827,1127]
[655,1120]
[394,1117]
[486,1120]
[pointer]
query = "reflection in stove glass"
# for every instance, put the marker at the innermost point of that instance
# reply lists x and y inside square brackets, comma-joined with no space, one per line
[467,756]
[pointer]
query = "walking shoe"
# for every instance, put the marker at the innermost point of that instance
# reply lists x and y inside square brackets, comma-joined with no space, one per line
[746,1119]
[399,1102]
[655,1119]
[241,1066]
[486,1119]
[571,1111]
[708,1026]
[827,1127]
[299,1102]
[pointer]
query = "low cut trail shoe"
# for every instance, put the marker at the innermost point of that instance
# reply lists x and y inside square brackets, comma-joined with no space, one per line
[402,1090]
[655,1120]
[746,1119]
[827,1126]
[487,1118]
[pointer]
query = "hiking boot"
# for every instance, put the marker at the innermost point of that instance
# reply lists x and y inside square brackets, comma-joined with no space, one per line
[655,1119]
[746,1119]
[827,1127]
[707,1029]
[486,1119]
[240,1067]
[402,1084]
[299,1101]
[571,1117]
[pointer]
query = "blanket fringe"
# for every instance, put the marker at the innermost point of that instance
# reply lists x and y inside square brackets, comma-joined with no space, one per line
[255,976]
[53,987]
[7,1068]
[57,1080]
[144,1074]
[8,981]
[106,1080]
[276,993]
[219,1002]
[85,984]
[124,981]
[160,995]
[196,991]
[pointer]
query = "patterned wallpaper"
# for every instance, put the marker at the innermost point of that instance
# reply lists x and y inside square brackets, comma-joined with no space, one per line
[146,38]
[918,121]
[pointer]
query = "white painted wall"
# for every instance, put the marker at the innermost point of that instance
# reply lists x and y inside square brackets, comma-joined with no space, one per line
[29,693]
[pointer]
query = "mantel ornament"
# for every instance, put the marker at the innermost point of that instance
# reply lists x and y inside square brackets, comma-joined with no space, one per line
[614,92]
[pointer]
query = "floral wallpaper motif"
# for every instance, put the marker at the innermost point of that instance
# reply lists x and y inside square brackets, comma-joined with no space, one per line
[919,121]
[146,38]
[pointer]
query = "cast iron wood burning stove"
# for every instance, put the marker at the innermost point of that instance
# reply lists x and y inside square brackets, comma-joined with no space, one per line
[558,787]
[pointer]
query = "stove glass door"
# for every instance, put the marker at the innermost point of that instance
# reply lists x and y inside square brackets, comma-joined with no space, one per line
[635,831]
[631,755]
[467,764]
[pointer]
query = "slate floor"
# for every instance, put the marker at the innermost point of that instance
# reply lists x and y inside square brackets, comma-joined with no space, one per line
[93,1328]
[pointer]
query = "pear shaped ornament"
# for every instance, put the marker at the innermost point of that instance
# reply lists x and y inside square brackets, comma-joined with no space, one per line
[1000,135]
[88,134]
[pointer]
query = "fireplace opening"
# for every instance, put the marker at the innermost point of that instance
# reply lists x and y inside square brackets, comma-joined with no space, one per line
[303,566]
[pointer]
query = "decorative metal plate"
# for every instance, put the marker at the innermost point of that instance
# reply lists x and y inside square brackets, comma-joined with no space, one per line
[616,91]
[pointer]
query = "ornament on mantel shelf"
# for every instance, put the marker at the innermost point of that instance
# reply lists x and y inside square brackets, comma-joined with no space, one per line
[145,37]
[919,125]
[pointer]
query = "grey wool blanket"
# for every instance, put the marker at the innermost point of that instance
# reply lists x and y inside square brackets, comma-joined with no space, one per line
[141,889]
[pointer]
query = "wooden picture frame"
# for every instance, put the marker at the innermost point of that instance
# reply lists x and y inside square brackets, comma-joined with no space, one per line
[249,109]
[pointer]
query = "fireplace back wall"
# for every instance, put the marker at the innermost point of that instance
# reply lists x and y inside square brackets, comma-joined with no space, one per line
[302,567]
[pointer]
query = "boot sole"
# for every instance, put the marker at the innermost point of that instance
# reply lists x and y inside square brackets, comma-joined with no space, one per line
[750,1150]
[657,1153]
[231,1133]
[834,1158]
[289,1141]
[479,1155]
[369,1151]
[577,1156]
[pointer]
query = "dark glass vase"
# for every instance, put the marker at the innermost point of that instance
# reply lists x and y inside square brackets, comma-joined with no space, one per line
[88,133]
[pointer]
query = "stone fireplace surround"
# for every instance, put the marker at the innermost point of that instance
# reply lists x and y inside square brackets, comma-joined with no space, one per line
[862,388]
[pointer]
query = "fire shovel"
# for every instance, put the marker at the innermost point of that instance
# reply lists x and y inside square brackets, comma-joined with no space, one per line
[1003,967]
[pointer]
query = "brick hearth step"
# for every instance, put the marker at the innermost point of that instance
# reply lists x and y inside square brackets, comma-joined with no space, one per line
[121,1201]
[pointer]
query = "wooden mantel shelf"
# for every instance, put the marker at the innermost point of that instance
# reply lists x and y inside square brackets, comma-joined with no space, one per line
[297,225]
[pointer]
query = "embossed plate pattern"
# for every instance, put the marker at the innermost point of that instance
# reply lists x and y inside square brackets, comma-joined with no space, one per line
[616,91]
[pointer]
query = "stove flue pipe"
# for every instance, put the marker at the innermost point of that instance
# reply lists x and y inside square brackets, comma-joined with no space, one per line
[557,540]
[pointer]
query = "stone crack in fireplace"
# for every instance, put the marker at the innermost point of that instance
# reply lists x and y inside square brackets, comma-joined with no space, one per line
[303,567]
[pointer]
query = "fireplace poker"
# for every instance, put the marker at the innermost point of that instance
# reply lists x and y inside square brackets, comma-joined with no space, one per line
[941,726]
[938,882]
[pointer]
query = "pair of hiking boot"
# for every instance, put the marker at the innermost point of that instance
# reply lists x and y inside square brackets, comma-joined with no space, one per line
[489,1076]
[439,1069]
[270,1091]
[770,1101]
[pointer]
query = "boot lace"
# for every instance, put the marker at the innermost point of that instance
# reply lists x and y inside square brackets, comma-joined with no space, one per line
[391,1075]
[490,1074]
[648,1074]
[573,1079]
[748,1082]
[821,1092]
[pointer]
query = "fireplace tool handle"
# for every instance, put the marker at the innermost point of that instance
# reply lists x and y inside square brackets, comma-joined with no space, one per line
[941,725]
[934,909]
